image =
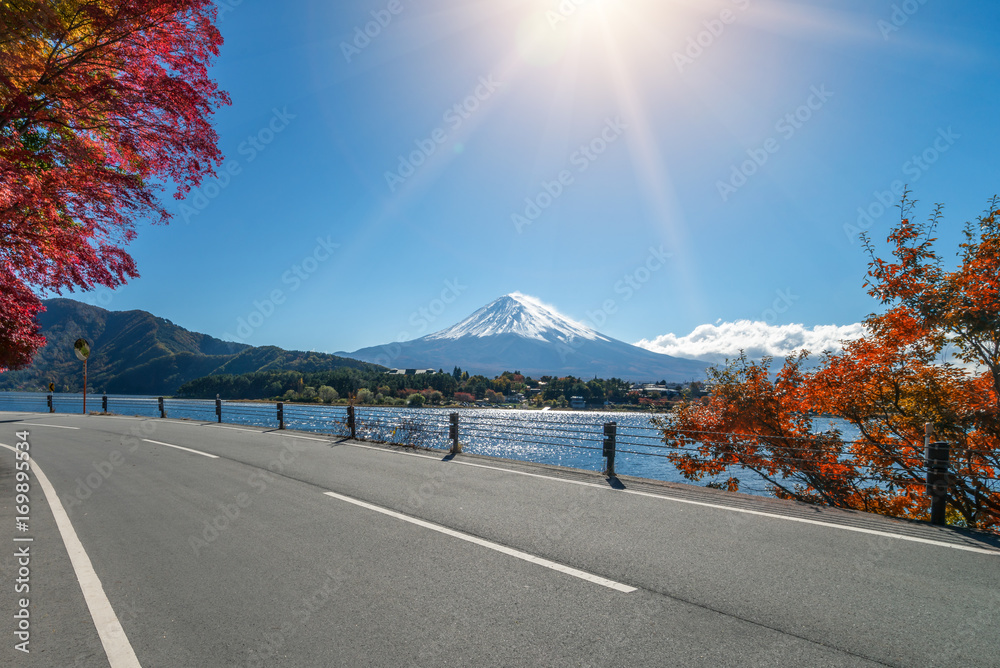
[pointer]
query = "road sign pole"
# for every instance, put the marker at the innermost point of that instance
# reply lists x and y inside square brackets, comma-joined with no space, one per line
[82,349]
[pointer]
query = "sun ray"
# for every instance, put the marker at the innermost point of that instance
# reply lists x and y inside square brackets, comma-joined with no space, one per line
[649,166]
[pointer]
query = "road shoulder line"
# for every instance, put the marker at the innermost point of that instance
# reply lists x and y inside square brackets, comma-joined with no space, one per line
[116,645]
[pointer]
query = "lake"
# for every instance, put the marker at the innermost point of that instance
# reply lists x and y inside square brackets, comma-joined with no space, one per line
[563,438]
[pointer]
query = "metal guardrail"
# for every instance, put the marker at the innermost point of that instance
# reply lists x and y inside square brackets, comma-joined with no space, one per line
[438,429]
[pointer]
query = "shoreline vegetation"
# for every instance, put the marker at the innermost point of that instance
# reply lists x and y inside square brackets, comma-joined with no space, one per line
[458,389]
[614,408]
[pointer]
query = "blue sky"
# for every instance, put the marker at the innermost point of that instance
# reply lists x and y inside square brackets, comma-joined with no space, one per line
[648,167]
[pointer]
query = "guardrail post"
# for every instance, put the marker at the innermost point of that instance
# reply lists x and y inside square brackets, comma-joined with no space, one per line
[163,411]
[456,447]
[351,423]
[610,445]
[937,456]
[104,403]
[281,415]
[51,407]
[218,408]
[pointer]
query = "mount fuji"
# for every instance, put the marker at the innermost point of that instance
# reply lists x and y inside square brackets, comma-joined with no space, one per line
[519,333]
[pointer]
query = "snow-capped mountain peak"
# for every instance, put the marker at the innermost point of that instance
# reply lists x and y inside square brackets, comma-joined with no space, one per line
[518,332]
[523,316]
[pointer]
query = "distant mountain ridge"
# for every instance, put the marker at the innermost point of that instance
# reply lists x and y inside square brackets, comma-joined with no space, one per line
[519,333]
[135,352]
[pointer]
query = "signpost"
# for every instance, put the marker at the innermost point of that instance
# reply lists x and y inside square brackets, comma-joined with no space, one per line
[82,350]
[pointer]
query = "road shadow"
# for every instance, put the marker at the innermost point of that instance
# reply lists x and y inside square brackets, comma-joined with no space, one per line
[614,482]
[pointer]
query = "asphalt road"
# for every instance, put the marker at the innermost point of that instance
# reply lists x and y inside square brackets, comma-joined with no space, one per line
[296,550]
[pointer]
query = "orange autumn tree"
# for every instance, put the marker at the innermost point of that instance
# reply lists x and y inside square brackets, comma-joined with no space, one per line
[888,385]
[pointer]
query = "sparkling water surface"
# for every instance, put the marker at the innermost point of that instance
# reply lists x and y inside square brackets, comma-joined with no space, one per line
[564,438]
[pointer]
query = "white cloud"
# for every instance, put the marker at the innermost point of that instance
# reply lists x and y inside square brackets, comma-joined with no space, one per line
[724,340]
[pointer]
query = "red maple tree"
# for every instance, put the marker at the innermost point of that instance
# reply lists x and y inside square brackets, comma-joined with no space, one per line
[888,385]
[103,104]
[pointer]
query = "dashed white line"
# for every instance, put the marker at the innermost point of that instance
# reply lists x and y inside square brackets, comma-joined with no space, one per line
[786,518]
[39,424]
[116,645]
[180,447]
[716,506]
[562,568]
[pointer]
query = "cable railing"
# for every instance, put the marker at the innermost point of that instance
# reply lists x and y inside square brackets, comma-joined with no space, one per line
[581,442]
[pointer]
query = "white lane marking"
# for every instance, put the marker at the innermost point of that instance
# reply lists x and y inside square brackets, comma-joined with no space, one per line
[304,438]
[873,532]
[180,447]
[786,518]
[219,426]
[662,497]
[39,424]
[123,417]
[116,644]
[583,575]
